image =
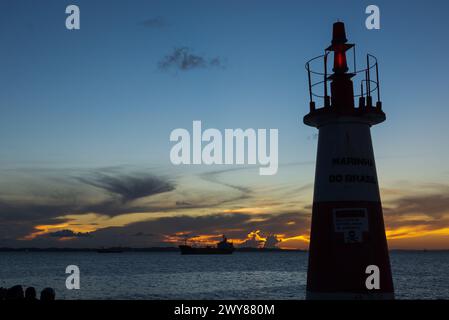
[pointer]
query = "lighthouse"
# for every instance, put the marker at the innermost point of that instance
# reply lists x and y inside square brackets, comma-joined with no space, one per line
[347,237]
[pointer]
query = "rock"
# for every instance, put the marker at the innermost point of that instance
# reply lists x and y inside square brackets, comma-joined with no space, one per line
[48,294]
[3,293]
[30,294]
[15,293]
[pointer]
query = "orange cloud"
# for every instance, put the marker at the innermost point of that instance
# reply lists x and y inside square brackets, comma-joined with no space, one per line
[255,210]
[415,231]
[45,229]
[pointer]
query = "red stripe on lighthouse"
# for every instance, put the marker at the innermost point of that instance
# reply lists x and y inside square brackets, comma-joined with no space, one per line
[347,237]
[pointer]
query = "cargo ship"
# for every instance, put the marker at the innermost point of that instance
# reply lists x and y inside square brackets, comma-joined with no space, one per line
[222,247]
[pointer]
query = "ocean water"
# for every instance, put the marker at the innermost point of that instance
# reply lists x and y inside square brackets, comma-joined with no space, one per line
[169,275]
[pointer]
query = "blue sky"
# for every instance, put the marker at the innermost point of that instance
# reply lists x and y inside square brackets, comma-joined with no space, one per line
[95,97]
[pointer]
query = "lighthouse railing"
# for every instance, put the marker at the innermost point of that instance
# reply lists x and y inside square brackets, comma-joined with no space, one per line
[368,84]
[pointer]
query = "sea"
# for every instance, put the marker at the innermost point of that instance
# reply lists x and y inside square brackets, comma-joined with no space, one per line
[170,275]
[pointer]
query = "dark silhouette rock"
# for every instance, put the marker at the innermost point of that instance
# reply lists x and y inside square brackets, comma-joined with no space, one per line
[48,294]
[30,294]
[15,293]
[3,293]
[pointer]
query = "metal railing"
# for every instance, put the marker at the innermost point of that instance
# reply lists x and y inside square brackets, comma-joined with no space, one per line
[367,85]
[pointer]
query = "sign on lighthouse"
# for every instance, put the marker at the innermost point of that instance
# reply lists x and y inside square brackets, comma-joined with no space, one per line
[347,232]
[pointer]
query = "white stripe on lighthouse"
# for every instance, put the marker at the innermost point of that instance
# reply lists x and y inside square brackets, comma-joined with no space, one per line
[345,168]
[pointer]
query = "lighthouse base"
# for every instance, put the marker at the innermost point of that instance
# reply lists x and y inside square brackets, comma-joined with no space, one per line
[346,239]
[349,296]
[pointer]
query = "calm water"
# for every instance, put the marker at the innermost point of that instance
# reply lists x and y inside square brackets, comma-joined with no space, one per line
[276,275]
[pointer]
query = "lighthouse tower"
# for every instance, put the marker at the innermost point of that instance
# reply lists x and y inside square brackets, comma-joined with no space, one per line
[348,248]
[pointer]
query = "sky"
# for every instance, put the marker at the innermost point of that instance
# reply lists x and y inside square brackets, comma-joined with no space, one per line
[86,115]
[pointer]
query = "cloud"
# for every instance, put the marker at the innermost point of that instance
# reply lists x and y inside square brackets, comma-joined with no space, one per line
[129,187]
[142,234]
[214,177]
[271,241]
[69,206]
[46,201]
[254,240]
[67,233]
[183,59]
[170,231]
[209,228]
[418,215]
[434,205]
[183,204]
[154,23]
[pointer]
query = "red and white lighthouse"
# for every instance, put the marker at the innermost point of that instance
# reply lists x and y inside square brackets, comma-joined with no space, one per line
[347,233]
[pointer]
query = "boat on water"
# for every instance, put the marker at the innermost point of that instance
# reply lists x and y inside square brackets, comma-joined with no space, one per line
[222,247]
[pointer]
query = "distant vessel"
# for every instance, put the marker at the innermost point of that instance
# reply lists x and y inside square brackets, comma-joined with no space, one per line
[110,250]
[223,247]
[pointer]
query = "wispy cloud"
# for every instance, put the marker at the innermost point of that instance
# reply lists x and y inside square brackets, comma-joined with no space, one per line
[418,214]
[141,208]
[23,214]
[129,187]
[183,59]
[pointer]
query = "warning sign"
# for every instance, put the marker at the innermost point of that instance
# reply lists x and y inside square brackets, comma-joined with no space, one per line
[352,223]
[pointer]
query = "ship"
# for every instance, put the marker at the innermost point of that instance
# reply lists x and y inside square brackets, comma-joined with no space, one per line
[222,247]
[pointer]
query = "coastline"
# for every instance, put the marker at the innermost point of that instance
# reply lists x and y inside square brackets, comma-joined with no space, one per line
[176,249]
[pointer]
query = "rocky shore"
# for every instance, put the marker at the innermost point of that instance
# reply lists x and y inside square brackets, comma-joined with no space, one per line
[17,293]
